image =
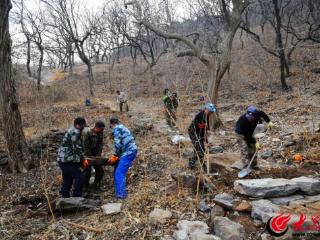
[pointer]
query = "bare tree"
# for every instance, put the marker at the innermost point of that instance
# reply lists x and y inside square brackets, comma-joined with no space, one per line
[217,62]
[141,41]
[146,43]
[19,157]
[38,27]
[79,27]
[33,27]
[20,16]
[304,21]
[271,12]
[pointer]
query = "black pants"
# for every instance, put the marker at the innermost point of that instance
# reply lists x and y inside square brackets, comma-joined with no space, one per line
[98,176]
[71,175]
[121,105]
[199,148]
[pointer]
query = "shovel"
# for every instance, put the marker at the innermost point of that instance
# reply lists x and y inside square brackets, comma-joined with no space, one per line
[246,171]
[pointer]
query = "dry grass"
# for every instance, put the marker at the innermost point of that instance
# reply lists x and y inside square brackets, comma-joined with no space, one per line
[63,100]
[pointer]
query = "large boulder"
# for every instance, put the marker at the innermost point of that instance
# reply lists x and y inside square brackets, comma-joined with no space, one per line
[192,226]
[75,204]
[286,200]
[309,186]
[305,200]
[267,187]
[111,208]
[225,160]
[228,230]
[203,207]
[159,215]
[193,230]
[203,236]
[225,200]
[216,211]
[263,210]
[244,206]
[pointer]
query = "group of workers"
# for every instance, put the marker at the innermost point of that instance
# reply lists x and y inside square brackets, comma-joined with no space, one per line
[80,143]
[198,129]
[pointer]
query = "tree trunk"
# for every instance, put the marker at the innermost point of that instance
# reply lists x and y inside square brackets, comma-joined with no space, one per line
[282,73]
[282,55]
[29,56]
[168,14]
[39,67]
[86,61]
[19,157]
[90,78]
[286,65]
[152,76]
[216,73]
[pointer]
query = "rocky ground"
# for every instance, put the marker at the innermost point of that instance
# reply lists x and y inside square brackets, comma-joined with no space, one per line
[166,200]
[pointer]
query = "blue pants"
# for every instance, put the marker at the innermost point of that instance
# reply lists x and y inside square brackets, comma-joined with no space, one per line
[120,174]
[71,174]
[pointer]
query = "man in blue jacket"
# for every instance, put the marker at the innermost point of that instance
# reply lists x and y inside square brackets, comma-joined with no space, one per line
[125,152]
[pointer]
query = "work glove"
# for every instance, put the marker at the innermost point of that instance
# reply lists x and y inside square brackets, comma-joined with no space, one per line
[258,146]
[270,124]
[85,164]
[113,160]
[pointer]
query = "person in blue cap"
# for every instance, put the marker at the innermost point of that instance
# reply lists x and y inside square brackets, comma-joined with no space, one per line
[198,133]
[244,128]
[125,152]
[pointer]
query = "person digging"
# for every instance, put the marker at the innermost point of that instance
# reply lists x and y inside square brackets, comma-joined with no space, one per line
[198,133]
[244,129]
[93,146]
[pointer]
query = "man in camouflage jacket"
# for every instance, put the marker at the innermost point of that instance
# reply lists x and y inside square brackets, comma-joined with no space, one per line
[93,145]
[70,157]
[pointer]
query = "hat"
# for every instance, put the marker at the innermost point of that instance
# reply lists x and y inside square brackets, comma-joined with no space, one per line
[252,110]
[210,107]
[114,120]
